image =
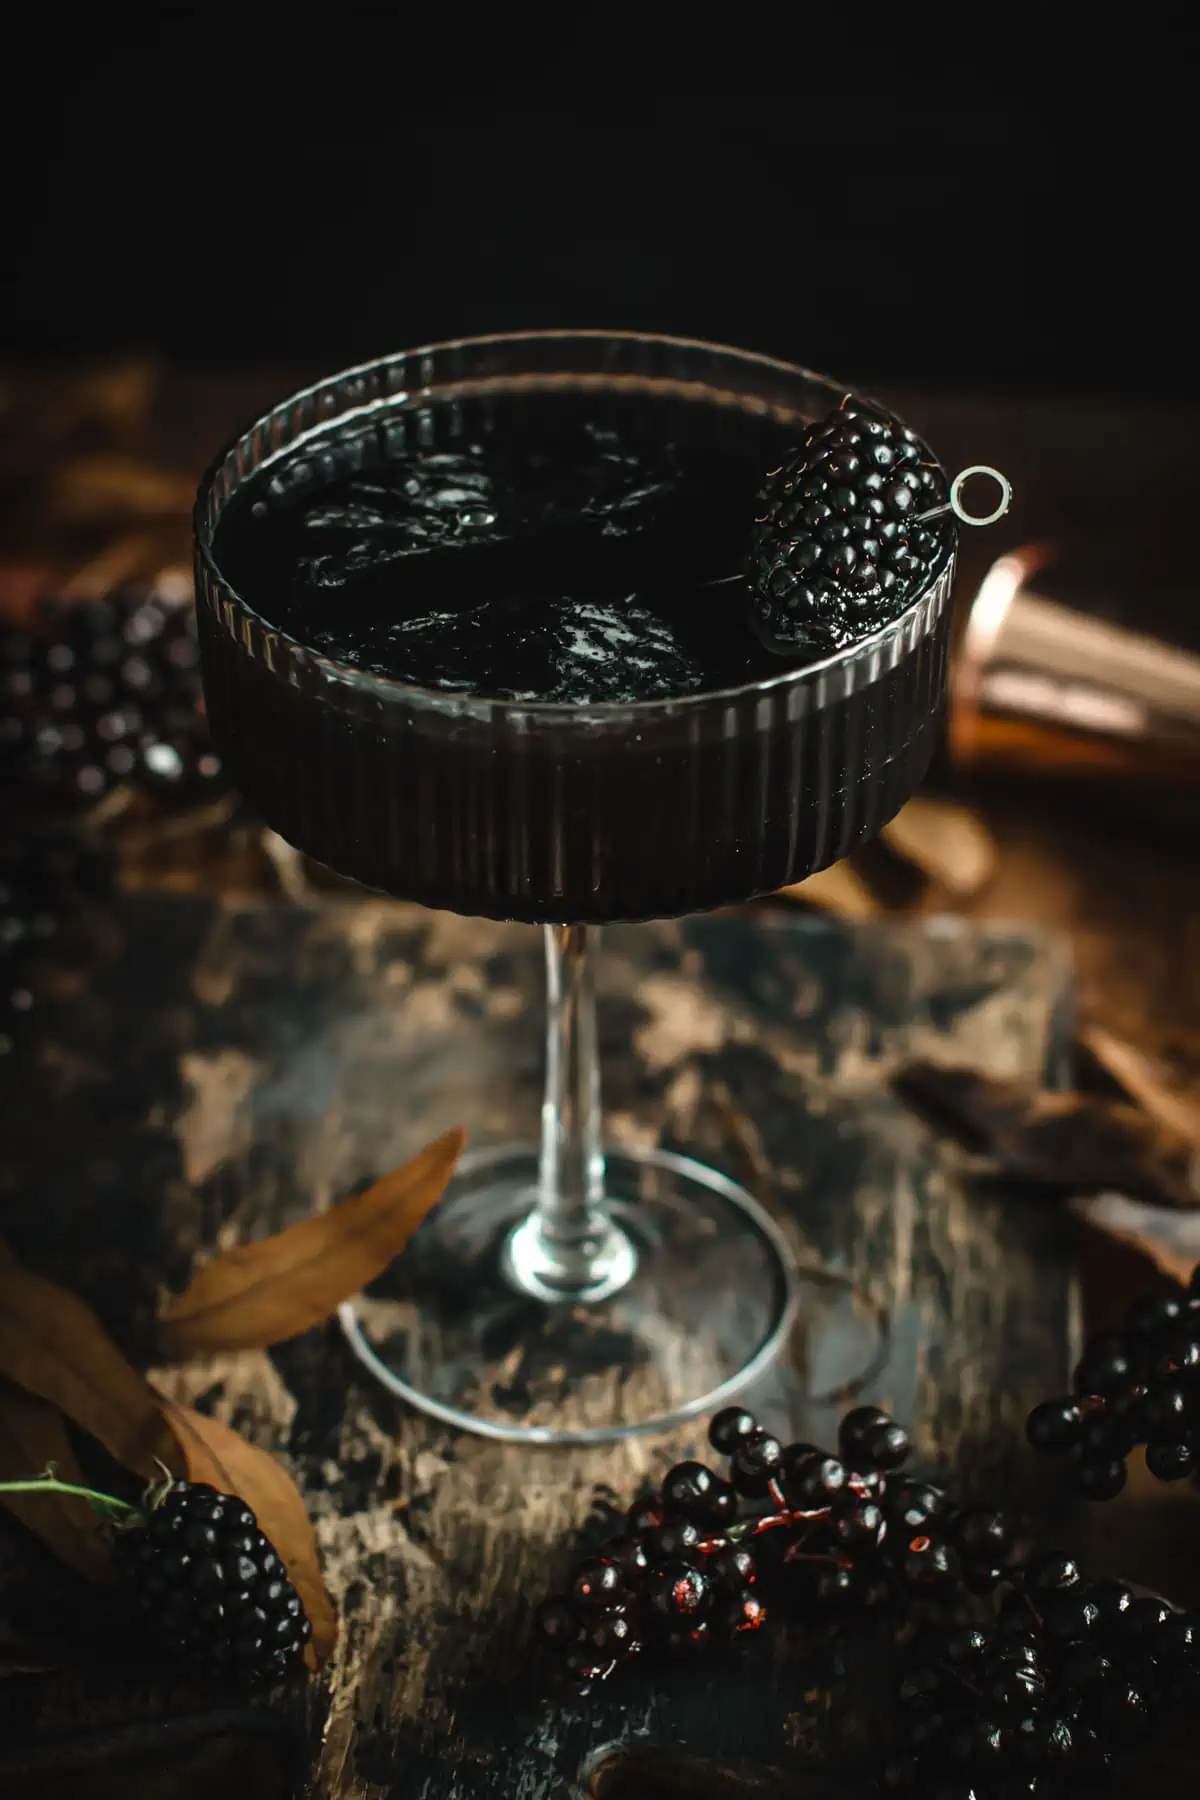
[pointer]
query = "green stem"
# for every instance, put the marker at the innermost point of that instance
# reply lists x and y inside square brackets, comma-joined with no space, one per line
[50,1484]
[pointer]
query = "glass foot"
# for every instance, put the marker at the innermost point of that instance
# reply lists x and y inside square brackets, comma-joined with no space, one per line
[698,1299]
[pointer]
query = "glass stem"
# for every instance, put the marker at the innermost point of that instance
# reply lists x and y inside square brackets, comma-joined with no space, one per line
[569,1248]
[571,1165]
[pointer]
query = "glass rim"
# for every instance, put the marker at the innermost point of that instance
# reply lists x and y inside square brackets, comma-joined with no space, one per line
[282,648]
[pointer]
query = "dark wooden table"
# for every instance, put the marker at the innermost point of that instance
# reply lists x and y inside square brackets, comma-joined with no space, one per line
[226,1063]
[222,1069]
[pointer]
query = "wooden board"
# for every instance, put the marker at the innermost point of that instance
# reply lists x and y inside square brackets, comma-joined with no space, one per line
[211,1071]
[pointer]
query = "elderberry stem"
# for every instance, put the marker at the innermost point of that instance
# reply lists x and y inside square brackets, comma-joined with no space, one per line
[50,1484]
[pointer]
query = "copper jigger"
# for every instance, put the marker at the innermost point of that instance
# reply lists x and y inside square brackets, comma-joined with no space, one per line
[1040,687]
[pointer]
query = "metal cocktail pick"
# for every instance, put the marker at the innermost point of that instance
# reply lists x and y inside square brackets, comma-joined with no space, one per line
[954,504]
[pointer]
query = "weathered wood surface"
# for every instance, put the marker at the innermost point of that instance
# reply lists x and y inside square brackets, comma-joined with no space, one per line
[213,1071]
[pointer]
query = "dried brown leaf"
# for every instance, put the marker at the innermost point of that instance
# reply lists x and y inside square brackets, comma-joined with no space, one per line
[104,487]
[33,1435]
[1144,1080]
[839,889]
[1169,1240]
[1074,1142]
[215,1453]
[947,842]
[260,1294]
[54,1346]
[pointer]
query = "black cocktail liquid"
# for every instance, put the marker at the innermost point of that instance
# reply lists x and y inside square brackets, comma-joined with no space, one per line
[545,550]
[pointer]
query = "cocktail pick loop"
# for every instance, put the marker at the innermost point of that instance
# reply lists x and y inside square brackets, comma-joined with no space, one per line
[955,505]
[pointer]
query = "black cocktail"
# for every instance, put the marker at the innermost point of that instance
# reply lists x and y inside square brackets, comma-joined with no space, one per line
[477,632]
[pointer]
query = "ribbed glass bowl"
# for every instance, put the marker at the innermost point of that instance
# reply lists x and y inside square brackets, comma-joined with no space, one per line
[553,813]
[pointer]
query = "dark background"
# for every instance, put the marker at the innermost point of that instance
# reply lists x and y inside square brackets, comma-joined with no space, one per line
[968,197]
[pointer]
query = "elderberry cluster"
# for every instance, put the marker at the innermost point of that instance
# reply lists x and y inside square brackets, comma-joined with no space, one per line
[106,693]
[1137,1386]
[1039,1702]
[843,1531]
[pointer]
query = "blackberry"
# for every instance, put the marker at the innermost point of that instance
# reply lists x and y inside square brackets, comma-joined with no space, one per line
[207,1584]
[108,693]
[837,548]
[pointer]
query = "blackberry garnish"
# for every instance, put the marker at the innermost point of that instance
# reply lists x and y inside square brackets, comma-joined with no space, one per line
[838,548]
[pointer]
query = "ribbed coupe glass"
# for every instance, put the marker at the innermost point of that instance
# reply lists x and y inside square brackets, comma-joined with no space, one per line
[568,816]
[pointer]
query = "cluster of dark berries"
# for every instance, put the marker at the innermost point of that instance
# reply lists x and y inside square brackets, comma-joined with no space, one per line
[106,693]
[208,1587]
[845,1530]
[1069,1674]
[838,547]
[45,874]
[1137,1386]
